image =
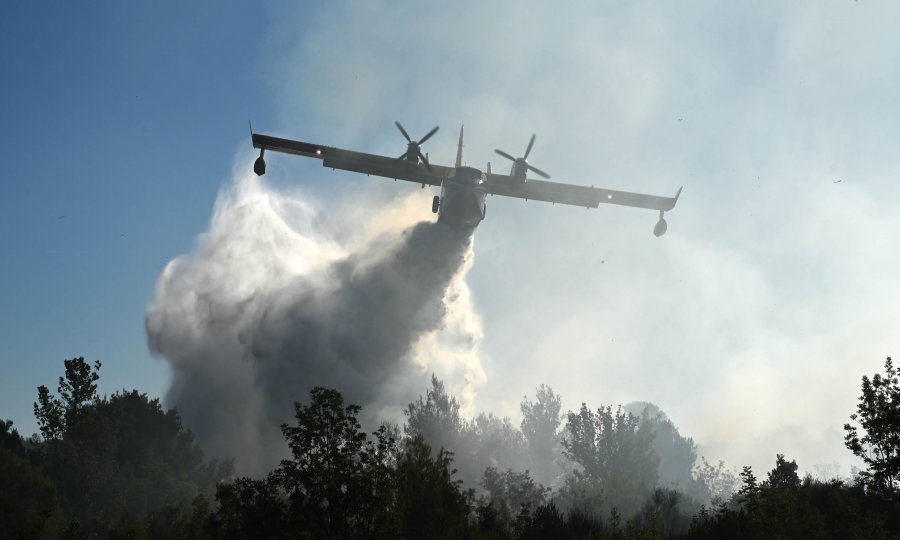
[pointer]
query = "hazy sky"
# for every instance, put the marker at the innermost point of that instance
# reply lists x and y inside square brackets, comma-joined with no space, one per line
[750,322]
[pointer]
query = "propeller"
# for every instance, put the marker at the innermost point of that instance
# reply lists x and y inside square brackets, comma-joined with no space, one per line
[414,148]
[523,161]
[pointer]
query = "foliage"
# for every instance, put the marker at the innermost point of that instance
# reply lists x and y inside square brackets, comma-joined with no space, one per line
[878,414]
[28,502]
[122,467]
[541,423]
[430,503]
[77,390]
[10,439]
[614,452]
[507,494]
[784,475]
[118,456]
[786,507]
[436,418]
[677,454]
[716,483]
[485,441]
[489,441]
[662,514]
[338,483]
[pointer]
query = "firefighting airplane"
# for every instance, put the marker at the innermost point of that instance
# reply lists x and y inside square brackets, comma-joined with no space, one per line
[463,189]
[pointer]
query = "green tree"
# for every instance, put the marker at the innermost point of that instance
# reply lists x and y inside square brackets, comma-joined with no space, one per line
[251,508]
[10,438]
[338,483]
[120,455]
[784,475]
[878,414]
[785,507]
[662,514]
[28,502]
[677,454]
[436,418]
[614,451]
[488,441]
[508,493]
[541,423]
[77,390]
[430,503]
[715,483]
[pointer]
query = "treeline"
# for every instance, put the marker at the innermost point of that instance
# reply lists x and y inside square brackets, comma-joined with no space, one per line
[122,467]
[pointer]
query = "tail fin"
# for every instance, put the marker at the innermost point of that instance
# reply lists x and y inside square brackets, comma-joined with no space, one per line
[459,149]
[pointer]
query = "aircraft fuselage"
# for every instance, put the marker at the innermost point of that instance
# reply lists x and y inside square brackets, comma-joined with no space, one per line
[462,198]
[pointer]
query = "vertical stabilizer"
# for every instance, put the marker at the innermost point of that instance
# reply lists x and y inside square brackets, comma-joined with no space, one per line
[459,149]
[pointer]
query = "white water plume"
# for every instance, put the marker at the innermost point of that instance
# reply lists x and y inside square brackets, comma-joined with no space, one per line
[273,301]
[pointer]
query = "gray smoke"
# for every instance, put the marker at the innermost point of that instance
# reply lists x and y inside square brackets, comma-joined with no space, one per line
[269,304]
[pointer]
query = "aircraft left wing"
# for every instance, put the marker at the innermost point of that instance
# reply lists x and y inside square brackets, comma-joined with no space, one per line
[348,160]
[589,197]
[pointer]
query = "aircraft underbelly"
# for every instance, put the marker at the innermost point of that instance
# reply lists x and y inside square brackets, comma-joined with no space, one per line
[462,206]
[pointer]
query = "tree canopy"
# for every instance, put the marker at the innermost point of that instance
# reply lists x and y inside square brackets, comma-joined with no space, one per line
[121,466]
[878,415]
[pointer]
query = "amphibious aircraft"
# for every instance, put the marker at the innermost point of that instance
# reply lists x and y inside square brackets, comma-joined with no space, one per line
[463,189]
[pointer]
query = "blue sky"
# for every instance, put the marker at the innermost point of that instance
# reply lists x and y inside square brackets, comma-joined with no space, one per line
[750,322]
[120,123]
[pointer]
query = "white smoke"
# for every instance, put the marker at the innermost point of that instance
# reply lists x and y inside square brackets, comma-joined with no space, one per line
[274,300]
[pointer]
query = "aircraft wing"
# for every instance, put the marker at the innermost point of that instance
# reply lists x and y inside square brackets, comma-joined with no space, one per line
[589,197]
[348,160]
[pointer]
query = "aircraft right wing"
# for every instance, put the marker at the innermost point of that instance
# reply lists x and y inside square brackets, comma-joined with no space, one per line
[348,160]
[589,197]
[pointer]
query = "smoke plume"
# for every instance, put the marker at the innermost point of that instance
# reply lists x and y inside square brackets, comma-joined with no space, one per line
[271,302]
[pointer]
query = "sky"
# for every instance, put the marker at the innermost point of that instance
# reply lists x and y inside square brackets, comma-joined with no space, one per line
[750,322]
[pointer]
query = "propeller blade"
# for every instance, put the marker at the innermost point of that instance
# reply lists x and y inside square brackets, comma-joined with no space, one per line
[428,136]
[540,172]
[402,156]
[403,131]
[504,154]
[530,144]
[424,160]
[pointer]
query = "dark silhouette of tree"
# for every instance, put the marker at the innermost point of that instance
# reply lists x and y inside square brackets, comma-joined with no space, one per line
[77,390]
[784,475]
[878,414]
[430,503]
[250,509]
[785,507]
[111,457]
[122,467]
[662,514]
[28,504]
[10,438]
[748,494]
[338,483]
[545,521]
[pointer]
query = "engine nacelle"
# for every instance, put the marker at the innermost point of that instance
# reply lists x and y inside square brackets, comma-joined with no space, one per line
[259,166]
[519,170]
